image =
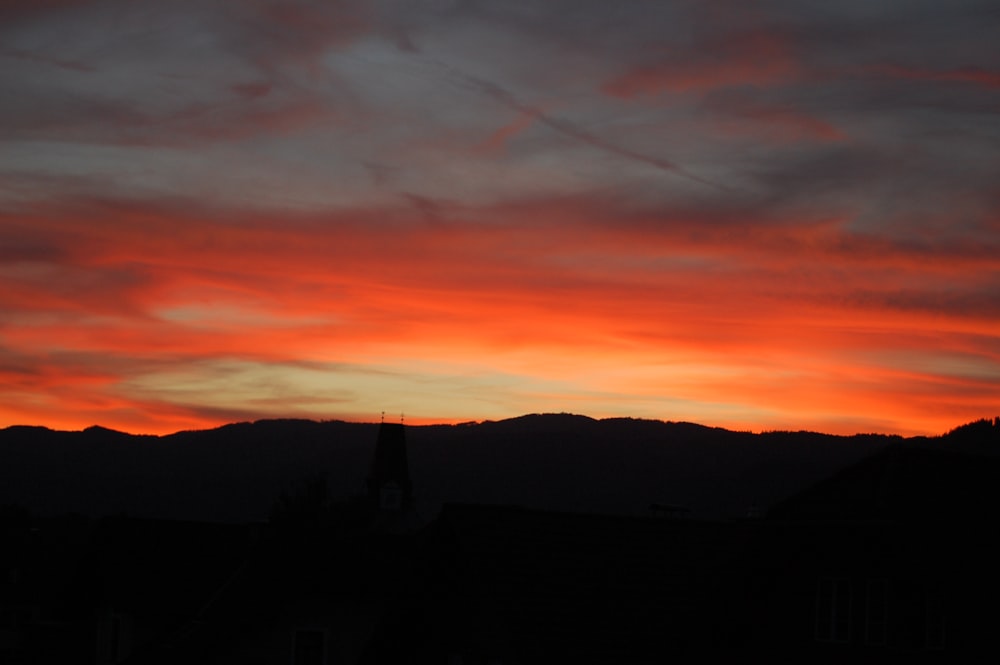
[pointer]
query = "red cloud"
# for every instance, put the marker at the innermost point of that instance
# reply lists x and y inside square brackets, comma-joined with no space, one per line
[742,115]
[498,140]
[756,58]
[780,315]
[974,75]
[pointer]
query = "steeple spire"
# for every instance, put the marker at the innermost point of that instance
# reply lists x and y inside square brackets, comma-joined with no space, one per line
[389,485]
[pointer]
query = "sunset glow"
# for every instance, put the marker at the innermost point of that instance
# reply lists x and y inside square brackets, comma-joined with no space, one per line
[779,218]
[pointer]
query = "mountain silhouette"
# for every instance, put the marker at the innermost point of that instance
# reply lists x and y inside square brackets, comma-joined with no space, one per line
[546,461]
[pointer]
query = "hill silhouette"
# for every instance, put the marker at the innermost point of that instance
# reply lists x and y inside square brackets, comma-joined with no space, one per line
[549,461]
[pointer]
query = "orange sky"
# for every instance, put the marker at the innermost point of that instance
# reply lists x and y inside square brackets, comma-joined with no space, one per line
[462,214]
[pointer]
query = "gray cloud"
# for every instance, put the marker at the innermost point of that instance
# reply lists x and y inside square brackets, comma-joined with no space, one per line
[573,131]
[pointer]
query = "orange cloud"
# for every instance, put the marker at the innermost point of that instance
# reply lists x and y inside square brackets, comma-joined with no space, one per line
[781,323]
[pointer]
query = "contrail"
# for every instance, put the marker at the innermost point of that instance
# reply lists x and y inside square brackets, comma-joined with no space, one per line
[569,129]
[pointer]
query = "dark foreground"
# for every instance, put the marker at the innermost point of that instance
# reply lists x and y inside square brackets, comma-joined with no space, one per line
[888,560]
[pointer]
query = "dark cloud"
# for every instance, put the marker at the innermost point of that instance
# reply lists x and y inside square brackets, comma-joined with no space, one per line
[178,99]
[74,118]
[973,302]
[72,65]
[13,9]
[29,249]
[277,33]
[253,90]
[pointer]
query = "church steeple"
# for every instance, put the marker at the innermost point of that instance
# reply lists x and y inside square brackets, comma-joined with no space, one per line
[389,485]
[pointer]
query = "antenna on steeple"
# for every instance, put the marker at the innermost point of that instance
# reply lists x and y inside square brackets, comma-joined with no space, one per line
[400,417]
[383,416]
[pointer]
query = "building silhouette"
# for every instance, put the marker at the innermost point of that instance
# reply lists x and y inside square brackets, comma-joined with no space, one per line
[389,485]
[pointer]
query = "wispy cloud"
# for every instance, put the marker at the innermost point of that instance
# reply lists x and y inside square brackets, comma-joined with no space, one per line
[767,215]
[571,130]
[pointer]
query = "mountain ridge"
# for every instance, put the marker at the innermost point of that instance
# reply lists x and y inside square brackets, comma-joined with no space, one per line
[553,461]
[527,417]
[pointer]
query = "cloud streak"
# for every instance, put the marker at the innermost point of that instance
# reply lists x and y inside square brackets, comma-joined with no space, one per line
[571,130]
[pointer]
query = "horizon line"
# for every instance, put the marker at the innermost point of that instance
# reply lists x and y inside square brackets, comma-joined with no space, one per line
[456,423]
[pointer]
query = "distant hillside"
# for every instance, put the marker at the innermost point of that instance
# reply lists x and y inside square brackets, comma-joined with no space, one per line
[556,461]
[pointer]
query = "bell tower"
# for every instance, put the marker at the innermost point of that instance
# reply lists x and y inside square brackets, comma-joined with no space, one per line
[389,485]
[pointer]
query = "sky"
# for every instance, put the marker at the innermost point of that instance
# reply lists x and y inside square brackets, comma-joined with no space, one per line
[765,215]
